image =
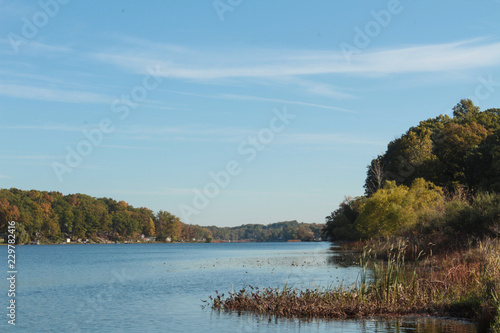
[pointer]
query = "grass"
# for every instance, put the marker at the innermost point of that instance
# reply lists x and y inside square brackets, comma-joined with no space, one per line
[463,284]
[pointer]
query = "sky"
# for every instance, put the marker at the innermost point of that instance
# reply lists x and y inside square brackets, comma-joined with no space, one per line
[230,112]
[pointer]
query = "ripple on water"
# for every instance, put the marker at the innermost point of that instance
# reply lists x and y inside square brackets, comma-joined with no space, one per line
[159,288]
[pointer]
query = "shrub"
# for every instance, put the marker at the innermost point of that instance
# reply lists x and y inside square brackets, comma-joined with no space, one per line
[396,209]
[481,218]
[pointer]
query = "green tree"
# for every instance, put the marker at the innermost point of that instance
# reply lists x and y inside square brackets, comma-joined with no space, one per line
[465,109]
[168,226]
[459,140]
[484,163]
[340,224]
[22,237]
[51,230]
[123,224]
[148,228]
[79,227]
[446,151]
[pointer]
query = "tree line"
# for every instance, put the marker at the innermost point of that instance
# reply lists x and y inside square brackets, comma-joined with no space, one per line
[275,232]
[442,176]
[53,217]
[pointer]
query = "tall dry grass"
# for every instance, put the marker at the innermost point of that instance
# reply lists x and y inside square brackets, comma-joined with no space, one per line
[463,284]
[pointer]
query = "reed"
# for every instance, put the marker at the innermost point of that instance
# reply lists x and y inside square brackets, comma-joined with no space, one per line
[464,284]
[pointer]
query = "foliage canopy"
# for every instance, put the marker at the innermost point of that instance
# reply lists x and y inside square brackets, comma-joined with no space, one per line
[410,188]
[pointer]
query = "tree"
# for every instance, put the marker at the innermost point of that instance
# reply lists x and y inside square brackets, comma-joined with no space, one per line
[459,141]
[416,147]
[7,213]
[51,230]
[149,228]
[442,150]
[124,224]
[305,233]
[465,109]
[167,226]
[22,236]
[340,225]
[490,119]
[375,176]
[484,164]
[79,227]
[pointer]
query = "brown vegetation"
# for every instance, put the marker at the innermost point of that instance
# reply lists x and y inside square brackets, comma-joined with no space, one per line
[463,284]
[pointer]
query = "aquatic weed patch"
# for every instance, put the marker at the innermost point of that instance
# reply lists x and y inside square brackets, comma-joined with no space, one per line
[294,303]
[465,284]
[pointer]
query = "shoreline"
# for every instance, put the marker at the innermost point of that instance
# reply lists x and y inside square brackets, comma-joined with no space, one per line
[131,243]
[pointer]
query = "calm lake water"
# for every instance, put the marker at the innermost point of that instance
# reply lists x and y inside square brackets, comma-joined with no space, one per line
[160,287]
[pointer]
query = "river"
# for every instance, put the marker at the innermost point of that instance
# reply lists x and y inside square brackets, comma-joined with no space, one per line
[160,288]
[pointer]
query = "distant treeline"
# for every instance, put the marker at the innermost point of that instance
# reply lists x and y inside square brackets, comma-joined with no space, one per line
[53,217]
[275,232]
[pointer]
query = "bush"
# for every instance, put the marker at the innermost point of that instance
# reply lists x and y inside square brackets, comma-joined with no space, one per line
[481,218]
[394,209]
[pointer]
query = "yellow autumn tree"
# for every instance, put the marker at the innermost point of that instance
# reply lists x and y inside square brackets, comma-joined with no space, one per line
[394,208]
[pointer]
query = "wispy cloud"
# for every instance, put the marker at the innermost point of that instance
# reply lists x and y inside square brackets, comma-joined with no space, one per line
[128,147]
[188,133]
[30,157]
[46,49]
[455,56]
[284,101]
[46,127]
[261,99]
[316,88]
[444,57]
[232,134]
[52,95]
[152,133]
[328,139]
[160,105]
[17,74]
[34,48]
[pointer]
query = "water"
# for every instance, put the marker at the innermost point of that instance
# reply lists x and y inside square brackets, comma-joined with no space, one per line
[160,288]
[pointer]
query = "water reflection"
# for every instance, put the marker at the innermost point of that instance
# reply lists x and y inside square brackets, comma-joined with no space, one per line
[420,324]
[243,323]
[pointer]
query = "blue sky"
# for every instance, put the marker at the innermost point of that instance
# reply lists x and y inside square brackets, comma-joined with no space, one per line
[230,111]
